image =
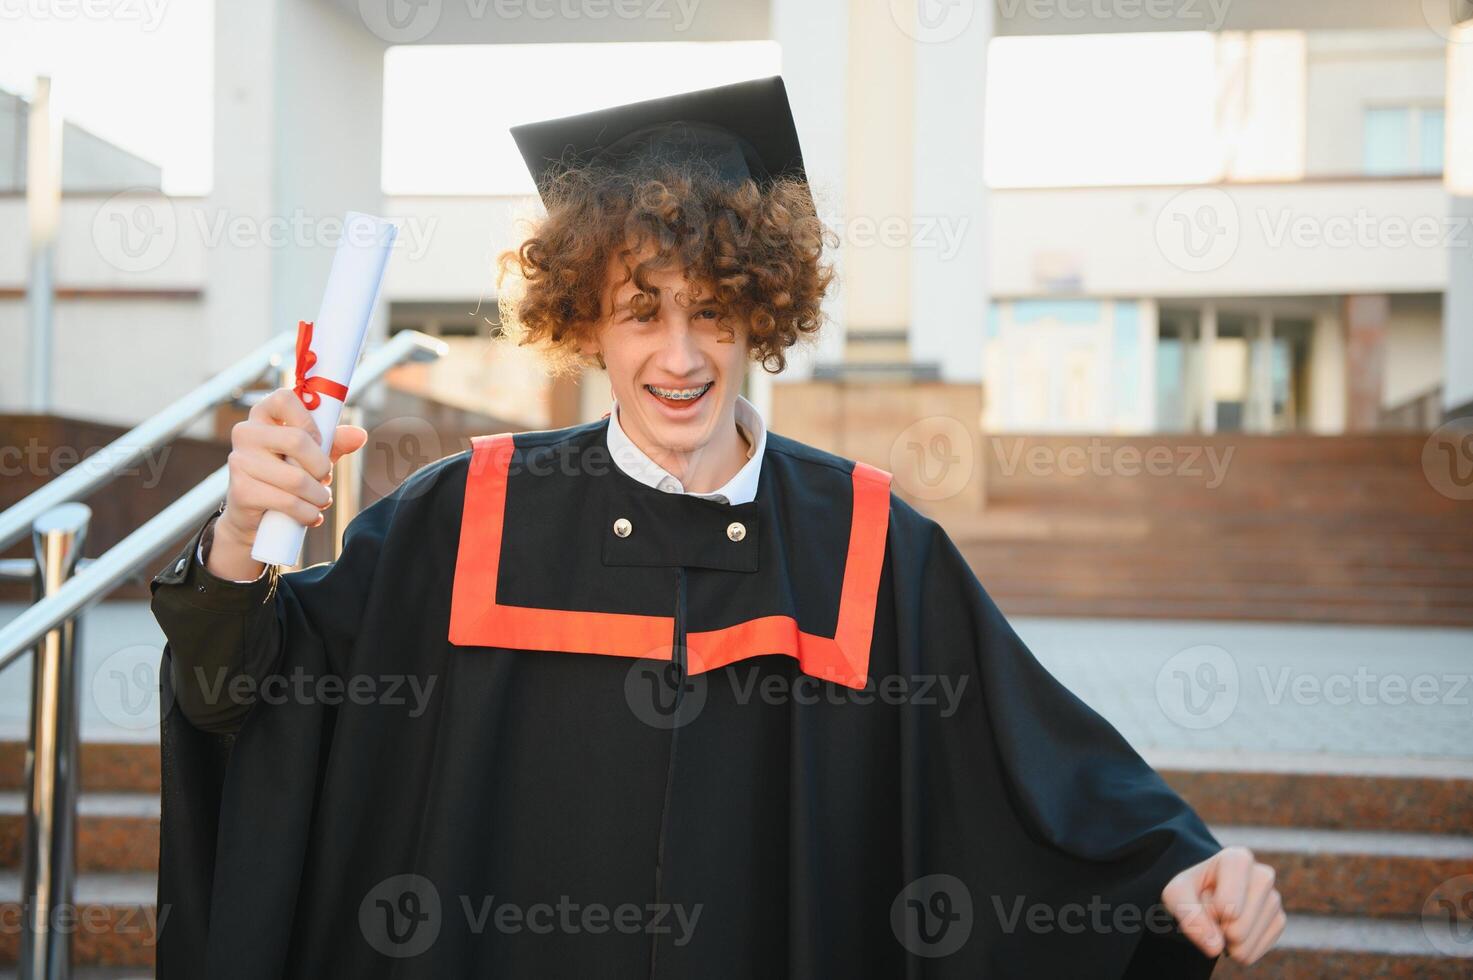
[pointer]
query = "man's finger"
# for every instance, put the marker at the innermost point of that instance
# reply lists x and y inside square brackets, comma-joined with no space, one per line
[1184,900]
[347,439]
[1230,874]
[285,408]
[1242,932]
[1271,933]
[1260,934]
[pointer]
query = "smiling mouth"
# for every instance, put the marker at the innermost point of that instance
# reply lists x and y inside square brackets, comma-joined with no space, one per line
[679,397]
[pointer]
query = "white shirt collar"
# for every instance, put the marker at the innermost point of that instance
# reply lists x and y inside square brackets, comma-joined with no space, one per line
[740,489]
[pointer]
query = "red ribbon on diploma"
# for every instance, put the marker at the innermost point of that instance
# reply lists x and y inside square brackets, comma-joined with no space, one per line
[310,390]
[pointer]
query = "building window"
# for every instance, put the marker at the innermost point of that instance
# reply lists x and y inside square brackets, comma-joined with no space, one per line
[1399,140]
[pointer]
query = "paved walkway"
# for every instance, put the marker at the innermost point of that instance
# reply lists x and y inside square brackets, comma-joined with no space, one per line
[1278,688]
[1227,690]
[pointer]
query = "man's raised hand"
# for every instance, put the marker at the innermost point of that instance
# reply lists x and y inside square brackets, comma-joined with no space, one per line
[276,463]
[1228,902]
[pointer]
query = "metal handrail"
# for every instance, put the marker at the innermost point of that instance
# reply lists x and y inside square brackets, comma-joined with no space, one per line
[103,466]
[131,553]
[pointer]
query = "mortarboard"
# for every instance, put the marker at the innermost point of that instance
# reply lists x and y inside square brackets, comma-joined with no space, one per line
[746,130]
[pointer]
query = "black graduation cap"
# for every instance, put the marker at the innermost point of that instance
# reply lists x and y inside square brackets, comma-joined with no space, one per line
[746,130]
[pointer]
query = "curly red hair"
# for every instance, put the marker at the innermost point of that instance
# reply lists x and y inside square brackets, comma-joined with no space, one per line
[756,252]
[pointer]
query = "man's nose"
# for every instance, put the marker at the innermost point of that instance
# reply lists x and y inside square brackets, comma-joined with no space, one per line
[679,355]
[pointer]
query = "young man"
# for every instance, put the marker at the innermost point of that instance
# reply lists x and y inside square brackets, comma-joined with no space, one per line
[663,695]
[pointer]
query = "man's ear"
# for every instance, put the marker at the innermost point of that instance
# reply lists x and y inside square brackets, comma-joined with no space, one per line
[588,344]
[589,348]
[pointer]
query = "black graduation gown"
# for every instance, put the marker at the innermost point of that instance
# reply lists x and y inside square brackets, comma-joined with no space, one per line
[808,746]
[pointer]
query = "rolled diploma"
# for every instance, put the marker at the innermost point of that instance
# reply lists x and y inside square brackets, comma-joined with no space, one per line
[337,339]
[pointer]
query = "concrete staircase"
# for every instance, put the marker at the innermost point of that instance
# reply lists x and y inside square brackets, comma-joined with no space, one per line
[1371,861]
[1363,861]
[117,857]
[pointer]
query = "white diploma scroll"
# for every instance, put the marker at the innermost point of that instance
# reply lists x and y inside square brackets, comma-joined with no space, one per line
[336,341]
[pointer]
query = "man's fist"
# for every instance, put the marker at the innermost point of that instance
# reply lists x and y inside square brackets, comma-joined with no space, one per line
[276,463]
[1228,902]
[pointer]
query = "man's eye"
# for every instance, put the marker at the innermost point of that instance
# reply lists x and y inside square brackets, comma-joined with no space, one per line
[712,313]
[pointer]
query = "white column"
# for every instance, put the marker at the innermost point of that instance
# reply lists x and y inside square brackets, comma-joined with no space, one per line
[1457,310]
[814,35]
[298,123]
[1327,397]
[1150,313]
[238,298]
[1260,374]
[43,213]
[948,282]
[1206,342]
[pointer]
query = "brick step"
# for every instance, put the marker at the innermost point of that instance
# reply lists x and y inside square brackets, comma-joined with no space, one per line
[1104,583]
[1373,874]
[120,784]
[1360,845]
[1378,484]
[1322,792]
[1174,568]
[1373,483]
[1227,552]
[1086,523]
[1403,507]
[1228,609]
[1370,874]
[115,831]
[1062,462]
[97,973]
[1312,946]
[114,920]
[1316,947]
[120,767]
[1296,449]
[1333,792]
